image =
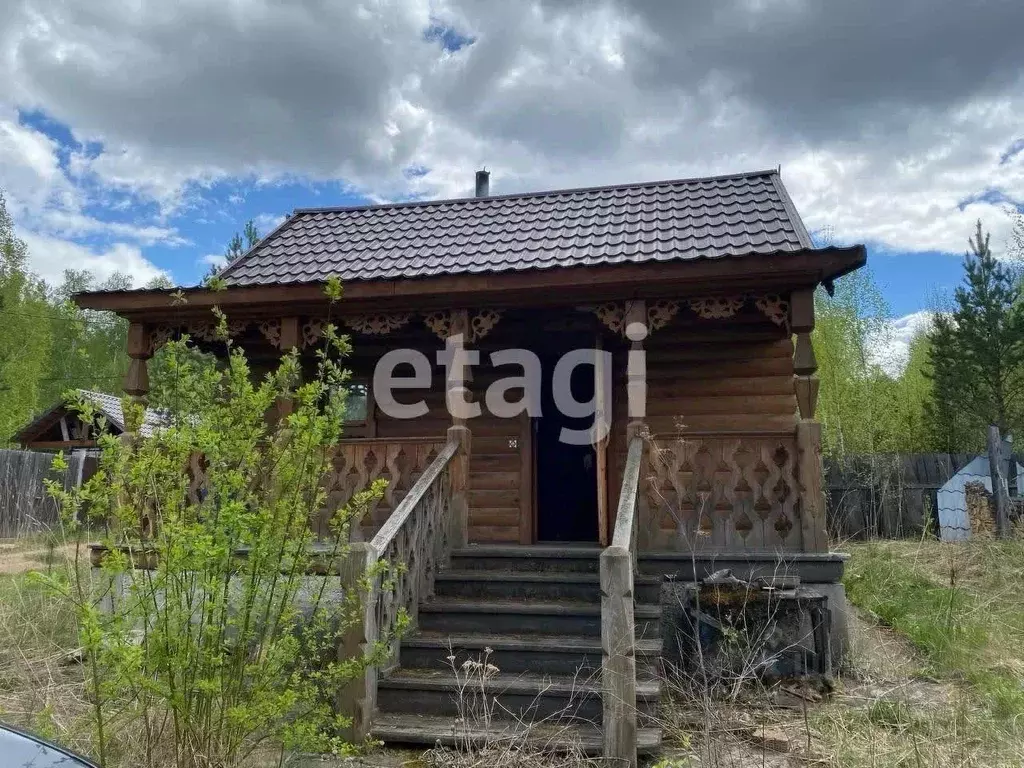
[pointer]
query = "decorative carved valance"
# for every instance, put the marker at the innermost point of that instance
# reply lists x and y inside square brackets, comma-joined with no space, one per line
[441,323]
[661,311]
[482,322]
[203,330]
[271,330]
[445,323]
[716,307]
[613,315]
[377,324]
[160,335]
[774,307]
[312,331]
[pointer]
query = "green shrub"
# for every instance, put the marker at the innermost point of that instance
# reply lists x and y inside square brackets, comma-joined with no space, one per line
[224,642]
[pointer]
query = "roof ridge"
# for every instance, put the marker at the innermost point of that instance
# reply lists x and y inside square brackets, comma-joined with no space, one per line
[798,223]
[525,195]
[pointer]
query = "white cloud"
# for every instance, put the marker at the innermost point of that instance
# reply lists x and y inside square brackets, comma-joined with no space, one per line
[30,172]
[267,222]
[891,128]
[51,256]
[47,208]
[890,350]
[215,260]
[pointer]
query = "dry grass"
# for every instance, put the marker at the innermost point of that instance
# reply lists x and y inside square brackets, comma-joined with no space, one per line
[38,689]
[933,676]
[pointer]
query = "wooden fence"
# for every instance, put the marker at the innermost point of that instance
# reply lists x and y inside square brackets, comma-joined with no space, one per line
[888,495]
[25,506]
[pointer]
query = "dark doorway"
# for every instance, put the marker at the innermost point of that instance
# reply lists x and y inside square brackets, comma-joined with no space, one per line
[566,475]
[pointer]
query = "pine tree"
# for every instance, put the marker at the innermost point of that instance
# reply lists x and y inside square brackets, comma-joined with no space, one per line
[977,352]
[242,241]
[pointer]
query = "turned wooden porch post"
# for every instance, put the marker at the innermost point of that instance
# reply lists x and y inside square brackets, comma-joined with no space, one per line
[808,431]
[291,338]
[136,381]
[457,393]
[637,328]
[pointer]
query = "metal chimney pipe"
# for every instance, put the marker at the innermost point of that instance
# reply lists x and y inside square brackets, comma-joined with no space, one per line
[483,183]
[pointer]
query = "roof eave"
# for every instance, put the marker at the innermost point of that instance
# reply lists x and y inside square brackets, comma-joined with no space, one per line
[718,275]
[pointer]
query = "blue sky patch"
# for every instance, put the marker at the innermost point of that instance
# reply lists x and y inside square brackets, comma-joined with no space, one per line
[450,38]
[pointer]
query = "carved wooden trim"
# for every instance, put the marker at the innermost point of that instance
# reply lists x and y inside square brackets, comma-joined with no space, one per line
[198,329]
[312,331]
[774,307]
[726,492]
[660,313]
[442,323]
[207,331]
[613,315]
[482,323]
[160,335]
[716,307]
[377,324]
[271,330]
[204,331]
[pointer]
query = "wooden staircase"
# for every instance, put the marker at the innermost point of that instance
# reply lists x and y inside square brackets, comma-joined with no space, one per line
[535,614]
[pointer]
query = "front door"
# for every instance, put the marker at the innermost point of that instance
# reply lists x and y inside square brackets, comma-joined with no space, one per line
[566,501]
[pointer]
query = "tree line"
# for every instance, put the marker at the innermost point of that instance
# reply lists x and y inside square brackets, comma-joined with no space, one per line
[49,346]
[964,369]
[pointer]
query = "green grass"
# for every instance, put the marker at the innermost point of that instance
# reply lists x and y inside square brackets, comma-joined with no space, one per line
[959,605]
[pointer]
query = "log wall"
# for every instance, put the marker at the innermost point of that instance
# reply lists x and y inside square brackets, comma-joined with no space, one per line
[711,376]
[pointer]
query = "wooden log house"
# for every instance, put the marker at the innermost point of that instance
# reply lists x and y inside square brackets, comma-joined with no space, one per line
[522,543]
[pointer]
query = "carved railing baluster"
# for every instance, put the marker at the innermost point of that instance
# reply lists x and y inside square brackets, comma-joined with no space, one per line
[357,463]
[723,492]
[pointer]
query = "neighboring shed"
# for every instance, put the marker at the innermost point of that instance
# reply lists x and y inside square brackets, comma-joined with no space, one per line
[60,428]
[954,521]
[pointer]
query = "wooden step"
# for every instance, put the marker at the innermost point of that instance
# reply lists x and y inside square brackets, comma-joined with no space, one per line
[536,653]
[538,557]
[428,730]
[539,584]
[466,615]
[520,696]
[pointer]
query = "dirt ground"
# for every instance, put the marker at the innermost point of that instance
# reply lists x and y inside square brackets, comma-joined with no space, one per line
[24,555]
[883,712]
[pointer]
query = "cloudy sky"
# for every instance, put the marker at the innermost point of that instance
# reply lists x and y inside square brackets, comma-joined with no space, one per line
[138,135]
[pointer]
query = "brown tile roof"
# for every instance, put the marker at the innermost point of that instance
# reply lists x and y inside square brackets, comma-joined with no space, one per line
[704,218]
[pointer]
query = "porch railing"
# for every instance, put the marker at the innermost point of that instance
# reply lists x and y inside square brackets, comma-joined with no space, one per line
[727,492]
[618,638]
[355,463]
[412,545]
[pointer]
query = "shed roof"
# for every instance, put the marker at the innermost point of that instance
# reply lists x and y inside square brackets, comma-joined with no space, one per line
[108,405]
[684,219]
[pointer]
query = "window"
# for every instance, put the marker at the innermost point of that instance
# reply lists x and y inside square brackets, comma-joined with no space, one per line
[357,402]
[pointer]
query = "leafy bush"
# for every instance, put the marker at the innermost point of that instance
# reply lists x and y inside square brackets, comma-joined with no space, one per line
[210,632]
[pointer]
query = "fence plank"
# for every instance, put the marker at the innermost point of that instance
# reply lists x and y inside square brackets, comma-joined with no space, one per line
[25,507]
[885,494]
